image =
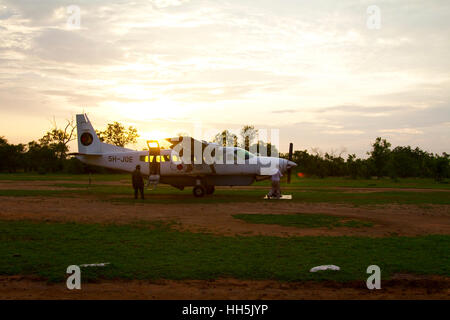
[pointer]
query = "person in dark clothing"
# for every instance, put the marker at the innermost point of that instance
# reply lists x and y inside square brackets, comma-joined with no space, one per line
[138,182]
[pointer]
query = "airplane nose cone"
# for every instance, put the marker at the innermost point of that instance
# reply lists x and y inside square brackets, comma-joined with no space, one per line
[286,165]
[290,165]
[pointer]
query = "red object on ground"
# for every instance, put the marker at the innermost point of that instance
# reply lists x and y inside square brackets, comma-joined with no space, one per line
[300,175]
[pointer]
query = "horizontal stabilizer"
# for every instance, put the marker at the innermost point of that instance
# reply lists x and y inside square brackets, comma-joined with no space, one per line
[85,154]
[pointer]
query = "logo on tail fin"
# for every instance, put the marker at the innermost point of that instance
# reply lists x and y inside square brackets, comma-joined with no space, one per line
[86,139]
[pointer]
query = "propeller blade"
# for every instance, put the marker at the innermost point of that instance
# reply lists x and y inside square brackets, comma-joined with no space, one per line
[291,147]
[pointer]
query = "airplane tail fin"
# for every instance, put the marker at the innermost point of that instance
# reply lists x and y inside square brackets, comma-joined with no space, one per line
[88,141]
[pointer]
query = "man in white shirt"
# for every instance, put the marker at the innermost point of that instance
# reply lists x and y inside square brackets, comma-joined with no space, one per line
[275,192]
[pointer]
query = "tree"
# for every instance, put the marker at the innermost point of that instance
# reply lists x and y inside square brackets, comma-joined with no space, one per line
[11,156]
[403,163]
[116,134]
[248,134]
[225,138]
[42,158]
[379,156]
[352,165]
[264,149]
[441,167]
[58,139]
[182,134]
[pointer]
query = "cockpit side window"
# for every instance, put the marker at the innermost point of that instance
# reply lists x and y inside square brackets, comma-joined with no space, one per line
[242,154]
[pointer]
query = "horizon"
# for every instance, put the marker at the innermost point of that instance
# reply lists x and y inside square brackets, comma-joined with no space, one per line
[319,72]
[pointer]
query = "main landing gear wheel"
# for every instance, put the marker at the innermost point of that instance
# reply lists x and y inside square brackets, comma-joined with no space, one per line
[199,191]
[210,189]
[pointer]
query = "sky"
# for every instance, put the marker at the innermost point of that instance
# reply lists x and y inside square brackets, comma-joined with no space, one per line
[330,75]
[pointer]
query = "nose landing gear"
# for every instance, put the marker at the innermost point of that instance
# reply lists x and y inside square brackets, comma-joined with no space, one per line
[200,190]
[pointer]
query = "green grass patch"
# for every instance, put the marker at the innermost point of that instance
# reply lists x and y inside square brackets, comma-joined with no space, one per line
[155,251]
[426,183]
[302,220]
[413,183]
[168,195]
[32,193]
[62,176]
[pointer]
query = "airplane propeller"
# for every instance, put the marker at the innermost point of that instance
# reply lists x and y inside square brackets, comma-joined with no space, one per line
[291,147]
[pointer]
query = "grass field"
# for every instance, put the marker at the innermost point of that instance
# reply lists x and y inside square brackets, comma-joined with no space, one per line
[61,176]
[349,223]
[167,194]
[296,181]
[155,251]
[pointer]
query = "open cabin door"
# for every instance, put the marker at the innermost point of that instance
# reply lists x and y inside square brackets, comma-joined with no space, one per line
[154,166]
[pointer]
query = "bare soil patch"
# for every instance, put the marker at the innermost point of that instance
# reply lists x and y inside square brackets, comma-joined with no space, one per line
[217,218]
[368,190]
[430,287]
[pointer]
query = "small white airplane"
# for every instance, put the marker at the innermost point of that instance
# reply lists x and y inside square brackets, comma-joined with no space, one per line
[188,162]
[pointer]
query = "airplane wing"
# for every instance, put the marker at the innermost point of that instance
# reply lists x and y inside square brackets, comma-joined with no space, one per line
[193,143]
[177,140]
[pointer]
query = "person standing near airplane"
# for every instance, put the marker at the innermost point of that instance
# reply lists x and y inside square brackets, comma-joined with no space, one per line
[138,182]
[276,192]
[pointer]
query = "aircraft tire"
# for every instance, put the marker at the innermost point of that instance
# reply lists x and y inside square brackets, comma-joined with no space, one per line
[210,189]
[199,191]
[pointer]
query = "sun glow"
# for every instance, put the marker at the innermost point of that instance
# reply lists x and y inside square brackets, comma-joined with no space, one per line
[157,135]
[157,109]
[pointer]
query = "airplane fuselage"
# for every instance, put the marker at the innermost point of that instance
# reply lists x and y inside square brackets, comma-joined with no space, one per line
[228,171]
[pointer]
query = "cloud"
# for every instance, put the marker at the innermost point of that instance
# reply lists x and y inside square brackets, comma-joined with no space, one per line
[347,132]
[389,116]
[85,99]
[402,131]
[311,68]
[168,3]
[364,111]
[285,111]
[73,47]
[6,13]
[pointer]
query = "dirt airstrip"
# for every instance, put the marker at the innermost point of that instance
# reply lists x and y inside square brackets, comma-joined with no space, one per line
[388,220]
[401,287]
[217,218]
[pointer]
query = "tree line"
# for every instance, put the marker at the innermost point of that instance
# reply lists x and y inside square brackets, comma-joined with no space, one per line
[382,161]
[50,154]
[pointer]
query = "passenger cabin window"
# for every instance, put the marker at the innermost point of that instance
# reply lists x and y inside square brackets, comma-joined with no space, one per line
[158,158]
